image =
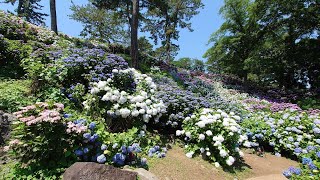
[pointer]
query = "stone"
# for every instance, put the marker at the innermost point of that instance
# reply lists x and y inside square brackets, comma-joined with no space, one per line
[95,171]
[5,123]
[143,174]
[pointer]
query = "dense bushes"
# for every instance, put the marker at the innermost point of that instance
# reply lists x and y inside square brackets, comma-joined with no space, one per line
[215,134]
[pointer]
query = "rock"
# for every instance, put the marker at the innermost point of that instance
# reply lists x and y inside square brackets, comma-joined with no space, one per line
[95,171]
[5,122]
[144,174]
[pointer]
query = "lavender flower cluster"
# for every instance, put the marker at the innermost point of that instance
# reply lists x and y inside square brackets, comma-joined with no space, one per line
[86,65]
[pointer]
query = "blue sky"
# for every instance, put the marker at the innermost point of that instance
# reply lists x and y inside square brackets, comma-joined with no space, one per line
[192,44]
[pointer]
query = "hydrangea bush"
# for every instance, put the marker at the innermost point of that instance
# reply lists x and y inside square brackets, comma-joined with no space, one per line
[215,134]
[39,135]
[128,97]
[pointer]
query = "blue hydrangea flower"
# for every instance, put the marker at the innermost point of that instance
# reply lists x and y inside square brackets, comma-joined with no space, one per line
[78,152]
[130,149]
[297,171]
[85,150]
[312,166]
[306,160]
[104,147]
[101,159]
[287,174]
[310,148]
[157,148]
[124,149]
[318,154]
[67,115]
[298,150]
[87,136]
[92,125]
[290,139]
[143,161]
[119,159]
[152,150]
[316,130]
[94,137]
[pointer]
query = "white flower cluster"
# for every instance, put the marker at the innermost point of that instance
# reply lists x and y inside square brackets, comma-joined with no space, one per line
[140,103]
[217,130]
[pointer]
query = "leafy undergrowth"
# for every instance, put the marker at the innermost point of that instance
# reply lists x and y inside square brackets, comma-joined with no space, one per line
[15,94]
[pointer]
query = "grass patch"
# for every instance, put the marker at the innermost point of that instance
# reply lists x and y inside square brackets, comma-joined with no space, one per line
[15,94]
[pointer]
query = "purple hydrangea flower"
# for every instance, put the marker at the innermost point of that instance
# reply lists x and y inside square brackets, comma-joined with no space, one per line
[101,159]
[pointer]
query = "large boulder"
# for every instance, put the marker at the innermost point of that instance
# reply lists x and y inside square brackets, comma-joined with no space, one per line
[95,171]
[5,122]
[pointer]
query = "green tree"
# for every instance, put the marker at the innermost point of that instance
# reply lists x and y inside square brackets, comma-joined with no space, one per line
[131,11]
[185,63]
[290,40]
[29,9]
[236,38]
[100,24]
[165,18]
[198,65]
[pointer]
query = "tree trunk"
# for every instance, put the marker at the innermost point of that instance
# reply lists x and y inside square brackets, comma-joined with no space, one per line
[53,14]
[134,33]
[19,9]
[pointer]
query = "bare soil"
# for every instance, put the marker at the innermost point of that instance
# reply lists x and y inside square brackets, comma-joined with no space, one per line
[176,166]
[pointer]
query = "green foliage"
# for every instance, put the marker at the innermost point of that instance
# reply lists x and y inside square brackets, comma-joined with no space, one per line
[15,94]
[100,24]
[274,41]
[17,171]
[309,103]
[29,10]
[190,64]
[39,137]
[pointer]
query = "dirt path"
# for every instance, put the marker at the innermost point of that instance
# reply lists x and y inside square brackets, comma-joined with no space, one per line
[176,166]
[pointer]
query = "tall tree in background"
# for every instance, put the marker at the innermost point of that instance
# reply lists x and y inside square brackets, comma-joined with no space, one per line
[270,41]
[164,18]
[234,41]
[29,9]
[161,18]
[130,10]
[101,24]
[291,41]
[134,34]
[53,15]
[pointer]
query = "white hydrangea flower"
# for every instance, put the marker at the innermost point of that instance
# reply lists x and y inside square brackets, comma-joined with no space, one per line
[190,154]
[247,144]
[201,124]
[230,160]
[223,153]
[202,137]
[95,90]
[188,134]
[209,133]
[216,164]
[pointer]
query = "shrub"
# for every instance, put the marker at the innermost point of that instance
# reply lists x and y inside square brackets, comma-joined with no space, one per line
[124,100]
[215,134]
[39,135]
[15,94]
[291,131]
